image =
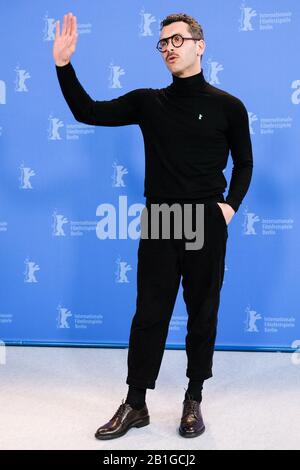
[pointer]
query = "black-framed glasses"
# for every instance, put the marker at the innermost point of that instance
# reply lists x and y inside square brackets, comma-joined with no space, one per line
[177,41]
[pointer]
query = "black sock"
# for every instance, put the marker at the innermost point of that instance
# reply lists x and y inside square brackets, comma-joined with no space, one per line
[194,391]
[136,397]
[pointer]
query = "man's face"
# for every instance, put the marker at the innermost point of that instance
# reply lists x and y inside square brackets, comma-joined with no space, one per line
[187,56]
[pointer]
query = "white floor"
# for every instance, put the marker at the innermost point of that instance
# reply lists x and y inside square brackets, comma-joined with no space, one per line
[55,398]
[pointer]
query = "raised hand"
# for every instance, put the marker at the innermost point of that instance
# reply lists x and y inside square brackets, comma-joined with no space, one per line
[65,43]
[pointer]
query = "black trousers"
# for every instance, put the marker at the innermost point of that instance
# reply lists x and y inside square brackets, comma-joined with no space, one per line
[161,265]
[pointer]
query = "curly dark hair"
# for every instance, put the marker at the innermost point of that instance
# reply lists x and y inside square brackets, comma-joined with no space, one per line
[194,27]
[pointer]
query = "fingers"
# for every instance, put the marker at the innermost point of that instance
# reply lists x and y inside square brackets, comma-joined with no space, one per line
[69,21]
[66,24]
[73,26]
[69,24]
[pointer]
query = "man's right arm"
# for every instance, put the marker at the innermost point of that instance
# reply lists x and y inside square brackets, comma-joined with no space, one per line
[120,111]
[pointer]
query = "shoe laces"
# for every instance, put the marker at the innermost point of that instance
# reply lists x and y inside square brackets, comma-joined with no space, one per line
[120,410]
[193,405]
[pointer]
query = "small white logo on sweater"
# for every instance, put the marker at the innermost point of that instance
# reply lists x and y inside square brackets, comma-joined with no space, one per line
[200,116]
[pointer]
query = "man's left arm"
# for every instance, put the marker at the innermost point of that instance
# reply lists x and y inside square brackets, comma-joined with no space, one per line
[241,152]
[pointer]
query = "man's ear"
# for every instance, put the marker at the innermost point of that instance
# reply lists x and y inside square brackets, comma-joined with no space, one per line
[202,43]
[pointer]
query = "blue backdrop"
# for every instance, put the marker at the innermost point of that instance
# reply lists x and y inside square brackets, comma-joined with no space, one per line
[63,283]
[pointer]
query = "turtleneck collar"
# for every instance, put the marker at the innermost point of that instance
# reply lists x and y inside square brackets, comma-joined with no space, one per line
[188,85]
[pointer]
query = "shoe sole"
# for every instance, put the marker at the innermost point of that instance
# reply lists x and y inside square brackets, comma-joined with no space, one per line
[191,434]
[137,424]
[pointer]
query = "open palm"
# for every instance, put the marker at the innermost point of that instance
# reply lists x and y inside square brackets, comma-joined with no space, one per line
[65,43]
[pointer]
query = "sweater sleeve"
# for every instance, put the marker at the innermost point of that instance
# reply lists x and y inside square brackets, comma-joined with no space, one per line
[241,152]
[120,111]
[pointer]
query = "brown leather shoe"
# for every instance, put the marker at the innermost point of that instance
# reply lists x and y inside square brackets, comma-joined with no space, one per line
[124,418]
[191,424]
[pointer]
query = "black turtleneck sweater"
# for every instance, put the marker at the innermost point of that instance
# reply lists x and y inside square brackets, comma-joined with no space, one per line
[188,127]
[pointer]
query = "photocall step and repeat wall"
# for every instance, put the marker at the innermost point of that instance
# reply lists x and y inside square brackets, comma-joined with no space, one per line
[71,194]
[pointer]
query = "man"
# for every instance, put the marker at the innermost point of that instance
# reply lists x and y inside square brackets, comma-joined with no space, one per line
[188,129]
